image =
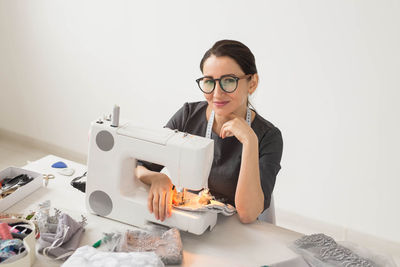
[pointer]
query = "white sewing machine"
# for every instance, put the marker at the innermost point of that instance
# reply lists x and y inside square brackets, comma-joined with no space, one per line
[113,191]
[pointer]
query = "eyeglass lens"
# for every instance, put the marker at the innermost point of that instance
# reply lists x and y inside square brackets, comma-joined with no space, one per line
[227,83]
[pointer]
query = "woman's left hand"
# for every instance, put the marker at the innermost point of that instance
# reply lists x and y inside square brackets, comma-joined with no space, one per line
[239,128]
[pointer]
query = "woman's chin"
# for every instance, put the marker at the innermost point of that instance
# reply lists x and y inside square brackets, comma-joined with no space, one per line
[222,112]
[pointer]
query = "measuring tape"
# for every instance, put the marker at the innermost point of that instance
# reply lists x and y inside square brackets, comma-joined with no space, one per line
[211,121]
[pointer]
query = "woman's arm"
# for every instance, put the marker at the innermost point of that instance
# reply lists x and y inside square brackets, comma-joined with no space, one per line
[249,197]
[160,194]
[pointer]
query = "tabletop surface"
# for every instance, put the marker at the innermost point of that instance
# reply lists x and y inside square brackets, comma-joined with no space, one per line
[230,243]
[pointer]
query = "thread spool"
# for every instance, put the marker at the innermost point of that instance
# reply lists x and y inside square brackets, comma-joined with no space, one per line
[115,116]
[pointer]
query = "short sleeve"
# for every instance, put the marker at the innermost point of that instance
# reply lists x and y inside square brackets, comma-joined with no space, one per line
[178,122]
[270,154]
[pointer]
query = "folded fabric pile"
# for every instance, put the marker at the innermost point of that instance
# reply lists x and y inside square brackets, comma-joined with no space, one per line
[322,250]
[194,202]
[60,234]
[90,257]
[166,243]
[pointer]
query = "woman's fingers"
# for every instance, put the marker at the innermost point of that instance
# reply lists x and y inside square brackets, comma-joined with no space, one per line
[156,201]
[168,198]
[225,131]
[236,127]
[160,204]
[150,202]
[162,209]
[159,200]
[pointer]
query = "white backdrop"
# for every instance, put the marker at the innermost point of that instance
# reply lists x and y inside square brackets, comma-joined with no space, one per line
[329,80]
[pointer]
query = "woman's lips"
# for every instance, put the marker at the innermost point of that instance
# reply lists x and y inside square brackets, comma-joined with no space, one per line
[219,104]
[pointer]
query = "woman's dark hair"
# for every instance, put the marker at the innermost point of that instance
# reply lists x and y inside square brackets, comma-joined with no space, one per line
[235,50]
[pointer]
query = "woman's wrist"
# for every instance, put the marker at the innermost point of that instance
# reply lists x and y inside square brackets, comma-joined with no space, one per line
[159,177]
[251,140]
[148,176]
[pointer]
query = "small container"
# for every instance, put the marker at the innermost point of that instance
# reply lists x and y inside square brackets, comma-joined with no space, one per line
[23,191]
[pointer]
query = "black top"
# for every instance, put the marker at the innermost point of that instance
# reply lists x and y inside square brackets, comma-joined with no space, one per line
[191,118]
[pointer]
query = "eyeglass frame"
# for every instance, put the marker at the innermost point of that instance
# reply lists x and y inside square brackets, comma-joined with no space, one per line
[220,84]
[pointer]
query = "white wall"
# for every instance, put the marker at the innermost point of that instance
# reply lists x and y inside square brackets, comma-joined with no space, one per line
[329,80]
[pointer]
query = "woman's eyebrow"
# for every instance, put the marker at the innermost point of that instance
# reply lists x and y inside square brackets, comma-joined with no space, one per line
[228,74]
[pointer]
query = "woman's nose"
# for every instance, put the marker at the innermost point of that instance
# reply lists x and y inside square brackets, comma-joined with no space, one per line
[218,90]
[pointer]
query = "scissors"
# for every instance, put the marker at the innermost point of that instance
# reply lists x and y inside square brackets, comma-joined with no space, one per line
[10,185]
[47,177]
[17,181]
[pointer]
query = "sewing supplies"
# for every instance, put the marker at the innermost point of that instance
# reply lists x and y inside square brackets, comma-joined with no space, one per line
[97,244]
[165,242]
[211,121]
[11,249]
[8,192]
[5,232]
[11,215]
[46,178]
[63,168]
[16,184]
[19,250]
[111,240]
[59,165]
[30,215]
[12,235]
[10,185]
[60,234]
[80,182]
[66,171]
[19,180]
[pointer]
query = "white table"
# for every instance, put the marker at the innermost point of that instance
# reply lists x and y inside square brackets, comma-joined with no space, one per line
[230,243]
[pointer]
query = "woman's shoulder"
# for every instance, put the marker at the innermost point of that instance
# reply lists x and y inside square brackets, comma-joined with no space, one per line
[190,109]
[193,107]
[265,128]
[189,113]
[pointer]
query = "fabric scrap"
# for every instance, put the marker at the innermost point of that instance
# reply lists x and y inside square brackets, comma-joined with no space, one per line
[166,243]
[194,202]
[88,256]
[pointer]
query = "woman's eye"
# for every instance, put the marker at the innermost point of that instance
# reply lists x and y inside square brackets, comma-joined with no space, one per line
[228,80]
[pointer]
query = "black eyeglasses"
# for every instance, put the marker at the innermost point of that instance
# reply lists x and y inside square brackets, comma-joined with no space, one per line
[228,83]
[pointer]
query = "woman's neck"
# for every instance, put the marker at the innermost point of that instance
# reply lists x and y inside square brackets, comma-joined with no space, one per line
[220,120]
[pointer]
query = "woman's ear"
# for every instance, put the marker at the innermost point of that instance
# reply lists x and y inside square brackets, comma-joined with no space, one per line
[253,83]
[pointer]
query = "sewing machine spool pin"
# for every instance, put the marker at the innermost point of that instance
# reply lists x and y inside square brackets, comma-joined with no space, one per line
[115,116]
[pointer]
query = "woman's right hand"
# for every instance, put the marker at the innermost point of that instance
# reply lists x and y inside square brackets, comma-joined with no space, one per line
[160,196]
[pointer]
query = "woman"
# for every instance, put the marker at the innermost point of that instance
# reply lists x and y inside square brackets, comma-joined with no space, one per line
[247,148]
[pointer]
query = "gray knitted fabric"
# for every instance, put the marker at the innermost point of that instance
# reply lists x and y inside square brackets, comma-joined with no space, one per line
[322,250]
[165,243]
